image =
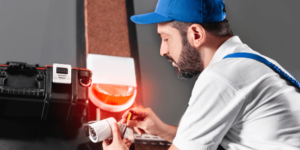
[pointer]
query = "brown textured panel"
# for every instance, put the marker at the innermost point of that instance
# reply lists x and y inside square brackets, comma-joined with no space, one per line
[107,34]
[106,27]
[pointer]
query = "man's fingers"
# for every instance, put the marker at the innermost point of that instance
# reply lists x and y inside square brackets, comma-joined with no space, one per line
[124,116]
[138,117]
[140,112]
[135,123]
[123,120]
[105,143]
[127,142]
[116,132]
[127,113]
[139,131]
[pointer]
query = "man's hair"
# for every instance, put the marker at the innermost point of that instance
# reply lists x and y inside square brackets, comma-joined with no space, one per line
[219,29]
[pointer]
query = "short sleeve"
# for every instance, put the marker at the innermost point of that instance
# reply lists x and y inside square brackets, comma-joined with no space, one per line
[213,108]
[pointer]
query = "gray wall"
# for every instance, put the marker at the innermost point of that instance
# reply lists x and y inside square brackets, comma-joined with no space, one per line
[270,27]
[38,31]
[44,32]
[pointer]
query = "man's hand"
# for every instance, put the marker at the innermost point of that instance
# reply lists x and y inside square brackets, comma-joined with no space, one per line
[173,147]
[117,142]
[146,121]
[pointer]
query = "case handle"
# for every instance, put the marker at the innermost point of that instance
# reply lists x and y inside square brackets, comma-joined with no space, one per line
[19,67]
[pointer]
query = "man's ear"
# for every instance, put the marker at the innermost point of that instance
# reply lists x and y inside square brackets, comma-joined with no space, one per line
[196,35]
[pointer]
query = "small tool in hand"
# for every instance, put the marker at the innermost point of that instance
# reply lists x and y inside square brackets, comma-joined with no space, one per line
[128,118]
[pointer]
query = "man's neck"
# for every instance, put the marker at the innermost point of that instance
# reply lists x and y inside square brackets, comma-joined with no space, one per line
[209,48]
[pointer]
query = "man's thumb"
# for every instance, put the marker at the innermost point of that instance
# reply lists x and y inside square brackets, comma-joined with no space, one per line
[116,132]
[135,123]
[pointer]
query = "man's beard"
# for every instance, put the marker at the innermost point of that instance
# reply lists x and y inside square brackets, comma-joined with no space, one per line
[189,63]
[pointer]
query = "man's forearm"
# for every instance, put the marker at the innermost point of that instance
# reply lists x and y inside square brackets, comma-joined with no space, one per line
[169,133]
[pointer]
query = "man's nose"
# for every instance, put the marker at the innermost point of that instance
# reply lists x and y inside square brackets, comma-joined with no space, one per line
[163,50]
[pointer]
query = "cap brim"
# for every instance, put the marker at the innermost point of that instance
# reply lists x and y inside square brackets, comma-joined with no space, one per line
[149,18]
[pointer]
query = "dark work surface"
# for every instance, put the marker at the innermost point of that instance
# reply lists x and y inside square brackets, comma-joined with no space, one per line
[150,147]
[22,135]
[19,134]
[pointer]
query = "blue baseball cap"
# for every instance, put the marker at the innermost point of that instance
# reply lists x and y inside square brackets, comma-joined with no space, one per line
[194,11]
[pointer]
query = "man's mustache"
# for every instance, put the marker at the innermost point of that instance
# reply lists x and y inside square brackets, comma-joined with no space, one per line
[169,58]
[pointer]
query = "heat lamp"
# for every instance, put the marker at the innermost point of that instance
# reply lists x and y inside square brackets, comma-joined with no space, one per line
[114,85]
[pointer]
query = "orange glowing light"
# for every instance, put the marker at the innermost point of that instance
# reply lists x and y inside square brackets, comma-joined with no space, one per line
[113,94]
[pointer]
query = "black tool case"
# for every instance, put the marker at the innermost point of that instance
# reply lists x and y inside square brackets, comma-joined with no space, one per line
[27,92]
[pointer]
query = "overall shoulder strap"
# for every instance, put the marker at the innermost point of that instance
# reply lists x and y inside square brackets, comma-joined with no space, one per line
[293,81]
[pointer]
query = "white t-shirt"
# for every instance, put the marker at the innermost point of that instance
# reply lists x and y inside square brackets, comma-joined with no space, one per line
[241,104]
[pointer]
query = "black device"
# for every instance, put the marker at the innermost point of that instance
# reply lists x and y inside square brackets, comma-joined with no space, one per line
[29,92]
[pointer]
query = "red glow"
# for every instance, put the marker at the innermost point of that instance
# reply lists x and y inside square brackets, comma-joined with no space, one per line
[113,94]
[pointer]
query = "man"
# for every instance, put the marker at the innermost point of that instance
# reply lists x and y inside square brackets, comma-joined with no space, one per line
[238,103]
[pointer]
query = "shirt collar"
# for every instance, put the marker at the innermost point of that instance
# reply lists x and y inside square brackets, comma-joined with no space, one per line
[226,48]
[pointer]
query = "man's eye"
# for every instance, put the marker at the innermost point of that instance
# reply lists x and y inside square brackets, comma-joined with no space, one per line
[166,40]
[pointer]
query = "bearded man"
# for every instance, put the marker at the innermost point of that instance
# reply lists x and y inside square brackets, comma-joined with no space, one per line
[241,100]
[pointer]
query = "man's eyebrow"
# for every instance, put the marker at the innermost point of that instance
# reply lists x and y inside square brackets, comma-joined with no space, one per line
[159,34]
